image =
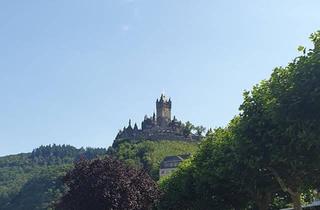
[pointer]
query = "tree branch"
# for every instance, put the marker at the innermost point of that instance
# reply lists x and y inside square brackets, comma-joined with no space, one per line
[280,181]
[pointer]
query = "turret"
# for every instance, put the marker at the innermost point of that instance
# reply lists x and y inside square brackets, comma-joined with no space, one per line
[135,127]
[129,126]
[154,117]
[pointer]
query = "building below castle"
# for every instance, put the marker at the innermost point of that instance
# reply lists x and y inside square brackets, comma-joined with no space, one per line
[159,126]
[170,163]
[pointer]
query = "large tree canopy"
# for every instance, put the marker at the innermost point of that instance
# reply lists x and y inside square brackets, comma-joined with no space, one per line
[270,151]
[281,121]
[219,176]
[103,184]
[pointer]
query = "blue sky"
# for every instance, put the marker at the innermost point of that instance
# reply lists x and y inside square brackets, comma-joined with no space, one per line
[74,71]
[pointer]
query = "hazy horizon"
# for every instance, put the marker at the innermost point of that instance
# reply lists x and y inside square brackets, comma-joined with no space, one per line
[74,72]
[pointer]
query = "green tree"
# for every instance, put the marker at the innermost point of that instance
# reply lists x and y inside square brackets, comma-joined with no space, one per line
[200,130]
[281,123]
[179,189]
[272,146]
[218,173]
[188,128]
[209,180]
[225,171]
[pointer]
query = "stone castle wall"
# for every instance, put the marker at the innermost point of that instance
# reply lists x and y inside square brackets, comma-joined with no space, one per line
[158,127]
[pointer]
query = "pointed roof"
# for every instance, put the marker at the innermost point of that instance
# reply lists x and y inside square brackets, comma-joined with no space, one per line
[164,98]
[129,126]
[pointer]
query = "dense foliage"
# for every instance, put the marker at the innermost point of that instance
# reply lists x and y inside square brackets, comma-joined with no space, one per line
[268,156]
[149,154]
[32,180]
[218,177]
[107,183]
[280,122]
[210,180]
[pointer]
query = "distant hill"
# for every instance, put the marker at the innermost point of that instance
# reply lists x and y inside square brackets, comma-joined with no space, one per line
[31,180]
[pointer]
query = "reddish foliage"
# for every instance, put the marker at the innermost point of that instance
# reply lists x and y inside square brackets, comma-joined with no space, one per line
[103,184]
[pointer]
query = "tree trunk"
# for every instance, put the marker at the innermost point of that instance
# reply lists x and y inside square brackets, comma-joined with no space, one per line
[263,205]
[295,197]
[263,200]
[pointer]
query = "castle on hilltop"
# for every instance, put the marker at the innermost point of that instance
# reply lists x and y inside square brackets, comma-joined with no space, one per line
[159,126]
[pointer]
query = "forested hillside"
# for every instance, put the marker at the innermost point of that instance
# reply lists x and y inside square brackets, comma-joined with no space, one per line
[149,154]
[31,180]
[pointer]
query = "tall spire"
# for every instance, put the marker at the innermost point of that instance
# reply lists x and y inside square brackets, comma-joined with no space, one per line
[163,98]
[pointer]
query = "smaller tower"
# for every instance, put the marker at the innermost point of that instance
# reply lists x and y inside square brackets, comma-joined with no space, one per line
[154,117]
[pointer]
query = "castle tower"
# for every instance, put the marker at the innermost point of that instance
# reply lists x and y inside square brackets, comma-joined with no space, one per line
[163,106]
